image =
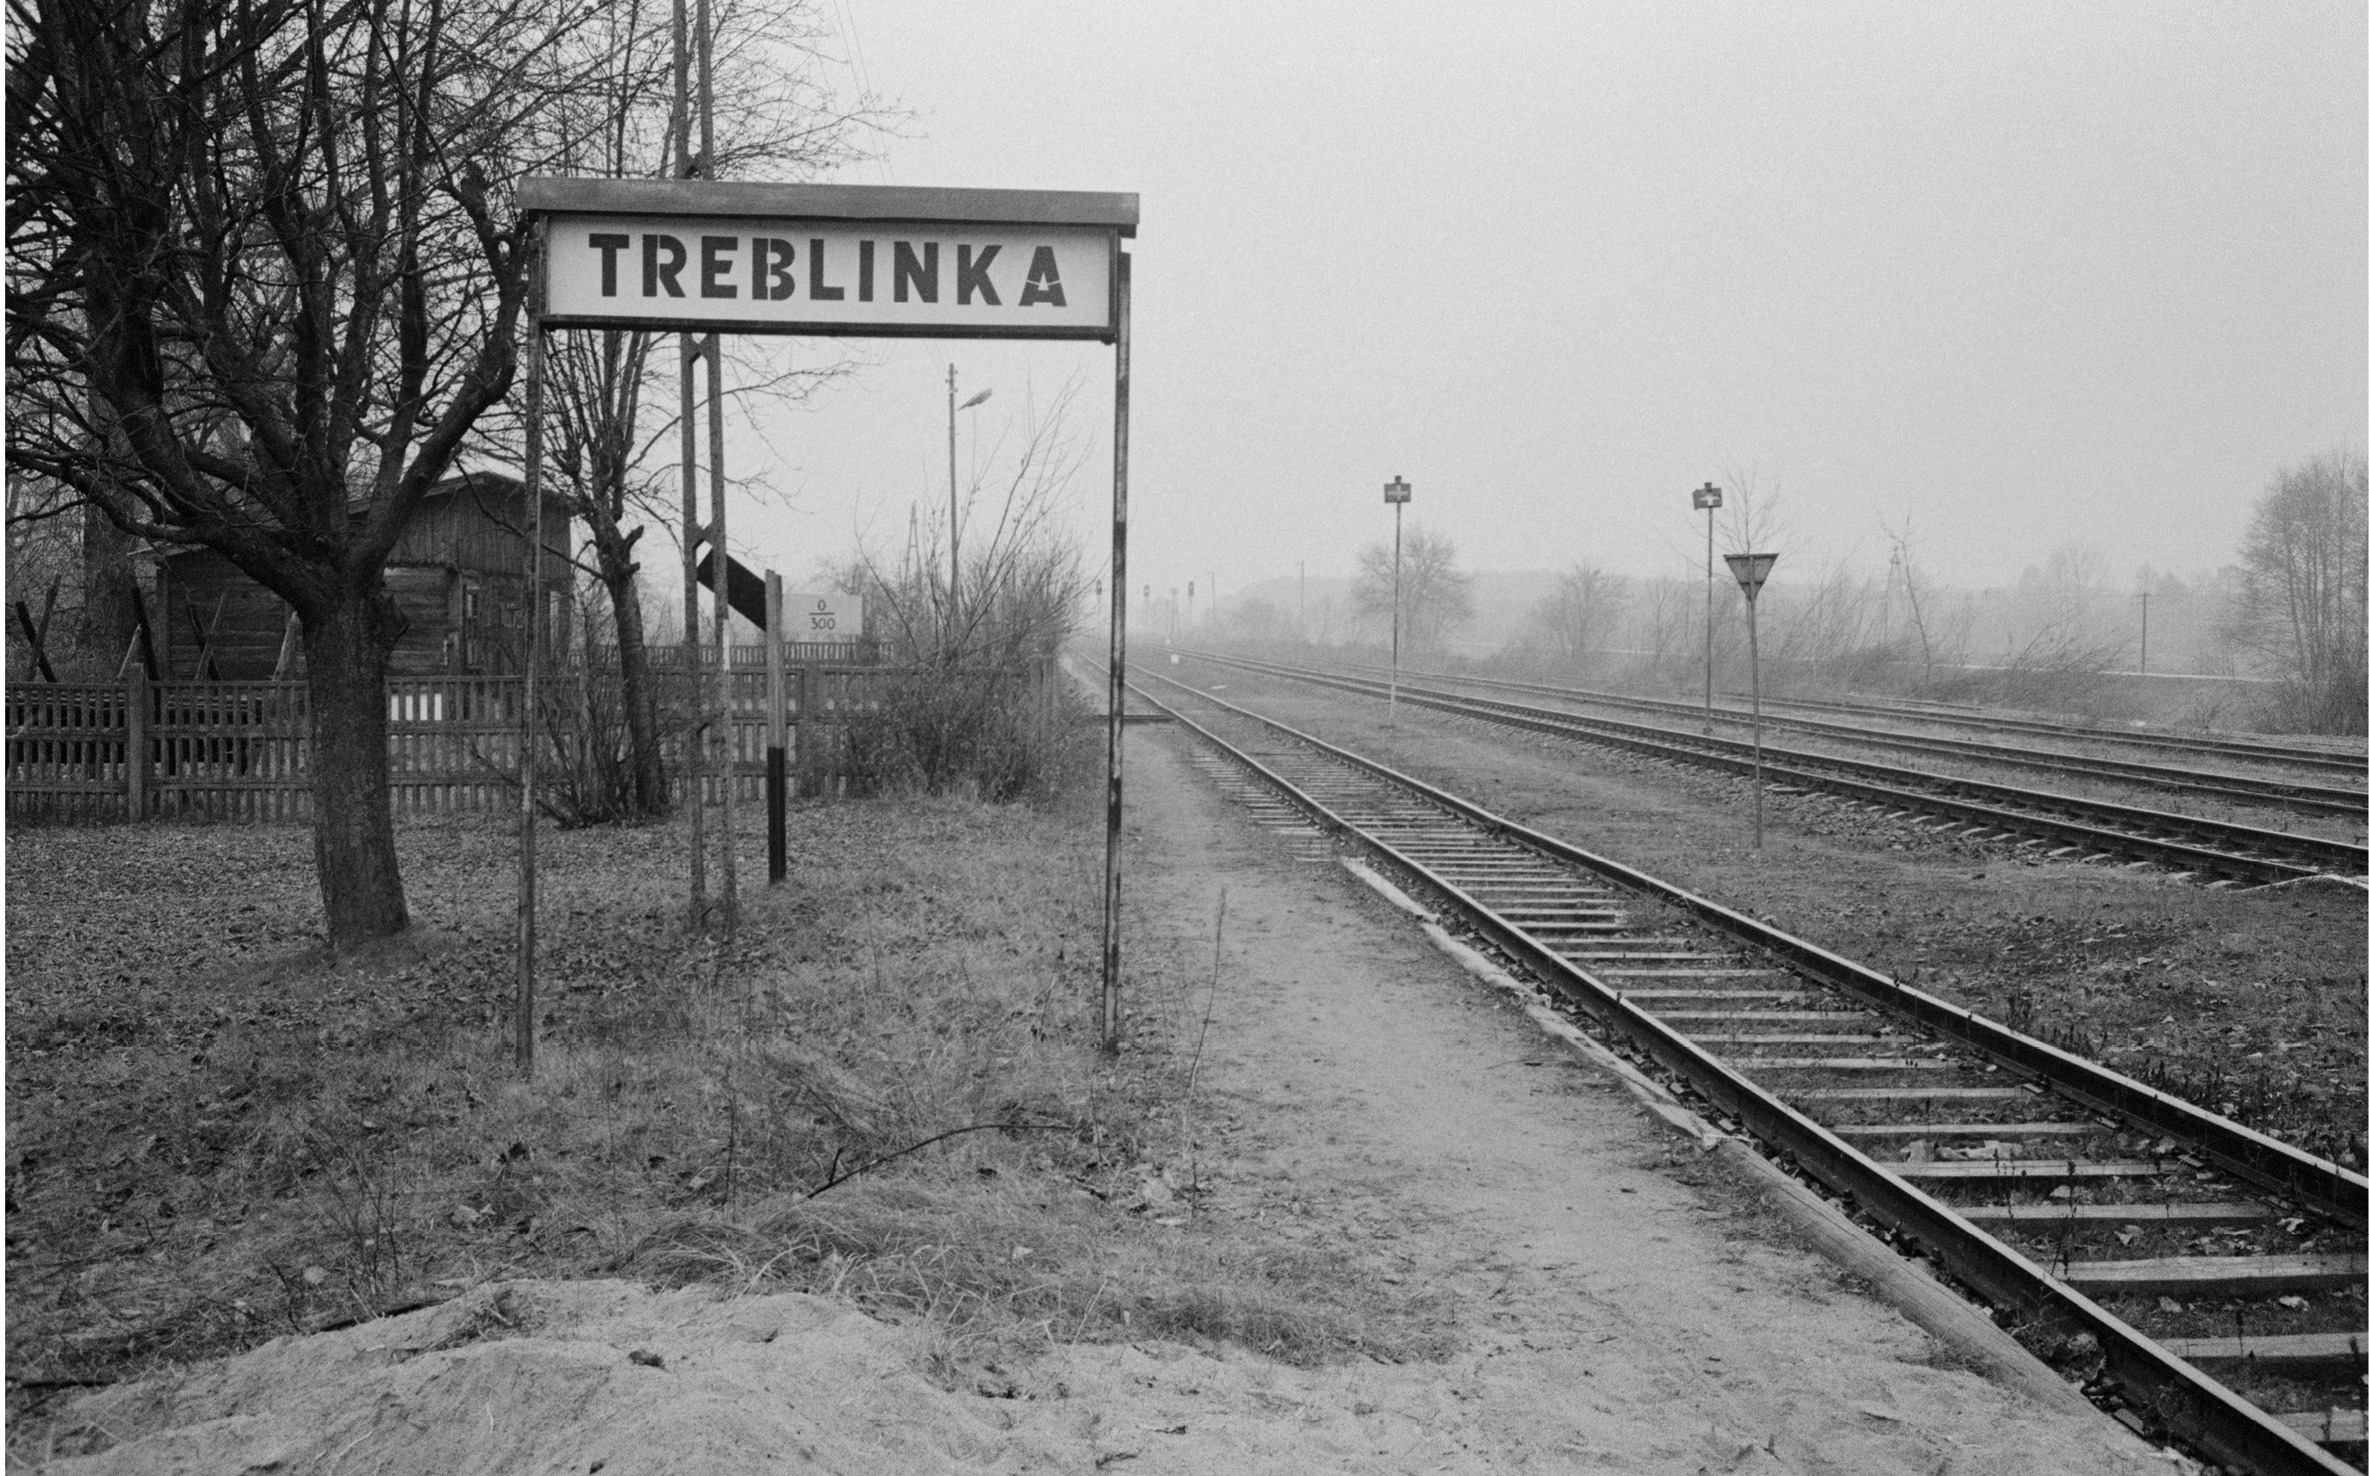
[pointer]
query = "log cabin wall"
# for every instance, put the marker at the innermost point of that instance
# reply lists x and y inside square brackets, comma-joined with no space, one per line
[457,573]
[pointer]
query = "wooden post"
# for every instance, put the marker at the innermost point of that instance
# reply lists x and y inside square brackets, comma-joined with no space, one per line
[777,825]
[34,637]
[135,742]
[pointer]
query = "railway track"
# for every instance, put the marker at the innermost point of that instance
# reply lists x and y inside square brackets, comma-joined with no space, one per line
[2073,825]
[2203,1279]
[2323,760]
[2294,796]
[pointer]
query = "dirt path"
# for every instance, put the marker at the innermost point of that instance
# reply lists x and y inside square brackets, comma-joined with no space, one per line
[1606,1305]
[1616,1317]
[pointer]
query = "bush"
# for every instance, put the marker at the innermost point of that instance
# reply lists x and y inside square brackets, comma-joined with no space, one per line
[1002,735]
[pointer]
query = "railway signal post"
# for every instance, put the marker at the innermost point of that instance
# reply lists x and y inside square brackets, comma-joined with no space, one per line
[1396,491]
[1751,571]
[1706,498]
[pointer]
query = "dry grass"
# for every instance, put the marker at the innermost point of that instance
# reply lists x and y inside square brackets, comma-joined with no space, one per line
[217,1136]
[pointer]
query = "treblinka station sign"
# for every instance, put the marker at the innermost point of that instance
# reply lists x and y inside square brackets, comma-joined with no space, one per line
[710,257]
[830,259]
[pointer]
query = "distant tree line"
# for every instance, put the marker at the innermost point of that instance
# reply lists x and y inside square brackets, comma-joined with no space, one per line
[2289,614]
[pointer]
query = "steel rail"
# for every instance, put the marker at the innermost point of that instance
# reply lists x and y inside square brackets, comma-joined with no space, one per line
[1820,771]
[2259,752]
[2188,1402]
[2301,798]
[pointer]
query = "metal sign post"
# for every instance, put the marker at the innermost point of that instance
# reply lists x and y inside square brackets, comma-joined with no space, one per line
[1706,499]
[1122,300]
[1752,571]
[1396,491]
[714,256]
[522,1016]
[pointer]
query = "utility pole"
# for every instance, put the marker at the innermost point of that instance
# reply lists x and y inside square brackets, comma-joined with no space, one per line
[695,751]
[954,508]
[1706,497]
[1396,491]
[725,734]
[2143,598]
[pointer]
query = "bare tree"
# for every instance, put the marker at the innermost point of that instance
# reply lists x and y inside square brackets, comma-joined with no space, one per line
[612,421]
[1434,594]
[983,716]
[1908,576]
[261,293]
[2304,594]
[1822,621]
[1578,619]
[1756,518]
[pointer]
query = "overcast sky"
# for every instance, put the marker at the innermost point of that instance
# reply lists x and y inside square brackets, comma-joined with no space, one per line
[2023,273]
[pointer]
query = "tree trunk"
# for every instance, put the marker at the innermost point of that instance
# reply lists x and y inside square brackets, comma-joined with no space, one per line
[108,618]
[617,571]
[346,656]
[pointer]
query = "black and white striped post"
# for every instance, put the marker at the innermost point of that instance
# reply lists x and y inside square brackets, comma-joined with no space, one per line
[777,821]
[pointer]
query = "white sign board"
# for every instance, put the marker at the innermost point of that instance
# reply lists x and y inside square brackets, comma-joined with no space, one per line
[808,616]
[869,260]
[812,276]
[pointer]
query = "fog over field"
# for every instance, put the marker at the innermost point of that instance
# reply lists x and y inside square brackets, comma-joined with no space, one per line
[2035,280]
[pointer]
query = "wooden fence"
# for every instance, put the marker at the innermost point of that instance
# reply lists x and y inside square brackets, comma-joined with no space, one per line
[241,750]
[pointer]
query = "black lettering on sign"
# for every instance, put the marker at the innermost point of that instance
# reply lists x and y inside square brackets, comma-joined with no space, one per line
[863,271]
[1044,280]
[770,261]
[608,247]
[713,266]
[971,276]
[656,273]
[921,272]
[816,288]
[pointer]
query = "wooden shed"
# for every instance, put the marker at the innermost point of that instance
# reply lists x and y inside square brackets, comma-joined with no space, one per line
[458,572]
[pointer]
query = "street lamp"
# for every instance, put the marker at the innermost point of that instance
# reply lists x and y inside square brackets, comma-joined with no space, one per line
[954,505]
[1752,571]
[1706,499]
[1396,491]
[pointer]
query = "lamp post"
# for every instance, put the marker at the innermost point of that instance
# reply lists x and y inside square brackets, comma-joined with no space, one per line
[1706,498]
[1396,491]
[1752,571]
[954,507]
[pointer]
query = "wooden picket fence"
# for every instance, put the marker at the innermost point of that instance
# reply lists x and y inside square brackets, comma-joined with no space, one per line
[241,750]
